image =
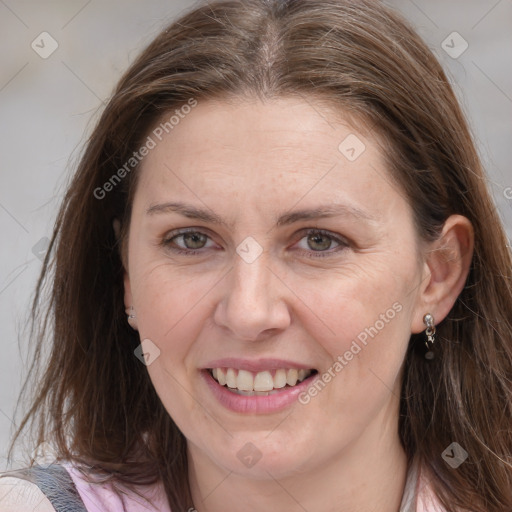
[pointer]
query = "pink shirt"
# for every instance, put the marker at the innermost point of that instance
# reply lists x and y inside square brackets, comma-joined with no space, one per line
[101,497]
[417,497]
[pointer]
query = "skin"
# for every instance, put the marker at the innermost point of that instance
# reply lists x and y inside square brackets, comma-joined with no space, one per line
[250,162]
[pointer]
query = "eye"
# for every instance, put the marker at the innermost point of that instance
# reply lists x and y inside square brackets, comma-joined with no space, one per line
[319,240]
[192,241]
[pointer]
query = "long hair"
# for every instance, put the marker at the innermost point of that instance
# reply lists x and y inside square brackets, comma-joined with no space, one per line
[94,401]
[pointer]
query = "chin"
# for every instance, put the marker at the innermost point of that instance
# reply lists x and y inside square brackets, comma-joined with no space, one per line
[264,455]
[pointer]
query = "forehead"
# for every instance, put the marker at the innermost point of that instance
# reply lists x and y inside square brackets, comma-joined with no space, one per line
[283,151]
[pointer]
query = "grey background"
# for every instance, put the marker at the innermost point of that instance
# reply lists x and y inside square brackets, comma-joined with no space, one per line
[48,107]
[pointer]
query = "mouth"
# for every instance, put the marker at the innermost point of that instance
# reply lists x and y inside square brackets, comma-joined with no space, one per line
[257,386]
[262,383]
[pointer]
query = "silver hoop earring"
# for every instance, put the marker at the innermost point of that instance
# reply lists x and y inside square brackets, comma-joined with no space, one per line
[430,331]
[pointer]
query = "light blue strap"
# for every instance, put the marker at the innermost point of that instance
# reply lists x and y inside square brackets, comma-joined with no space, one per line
[56,483]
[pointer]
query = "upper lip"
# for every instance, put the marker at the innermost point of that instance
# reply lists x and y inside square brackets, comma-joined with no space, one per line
[255,365]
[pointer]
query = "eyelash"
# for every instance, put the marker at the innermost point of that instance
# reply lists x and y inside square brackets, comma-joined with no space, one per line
[343,244]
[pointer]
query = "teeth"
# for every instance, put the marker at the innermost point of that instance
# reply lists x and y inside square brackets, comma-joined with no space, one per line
[280,379]
[302,375]
[221,376]
[291,377]
[262,382]
[245,381]
[231,378]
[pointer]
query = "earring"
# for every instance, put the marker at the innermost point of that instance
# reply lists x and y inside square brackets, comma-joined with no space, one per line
[132,319]
[428,319]
[130,312]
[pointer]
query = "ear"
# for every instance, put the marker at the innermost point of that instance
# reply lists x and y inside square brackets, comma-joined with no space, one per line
[128,302]
[128,298]
[446,267]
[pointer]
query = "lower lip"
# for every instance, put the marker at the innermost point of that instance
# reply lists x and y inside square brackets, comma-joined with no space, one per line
[256,404]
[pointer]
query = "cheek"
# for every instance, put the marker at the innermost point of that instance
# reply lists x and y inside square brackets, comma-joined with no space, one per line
[336,306]
[170,303]
[173,308]
[360,304]
[168,314]
[366,317]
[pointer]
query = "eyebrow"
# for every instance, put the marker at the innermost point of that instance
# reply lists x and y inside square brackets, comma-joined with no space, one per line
[330,210]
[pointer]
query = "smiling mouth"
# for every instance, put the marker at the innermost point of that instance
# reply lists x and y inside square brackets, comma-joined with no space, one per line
[243,382]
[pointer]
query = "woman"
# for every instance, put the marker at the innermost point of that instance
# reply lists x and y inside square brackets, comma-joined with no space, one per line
[280,281]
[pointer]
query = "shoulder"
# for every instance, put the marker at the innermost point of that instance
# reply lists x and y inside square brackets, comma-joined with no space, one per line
[418,493]
[116,497]
[427,500]
[35,489]
[19,495]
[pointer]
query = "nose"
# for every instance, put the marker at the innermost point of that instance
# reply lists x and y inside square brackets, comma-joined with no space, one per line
[253,306]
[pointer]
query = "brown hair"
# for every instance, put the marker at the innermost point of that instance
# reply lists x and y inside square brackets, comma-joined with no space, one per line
[97,398]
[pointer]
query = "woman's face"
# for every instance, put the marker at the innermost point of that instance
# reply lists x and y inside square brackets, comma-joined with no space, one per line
[301,255]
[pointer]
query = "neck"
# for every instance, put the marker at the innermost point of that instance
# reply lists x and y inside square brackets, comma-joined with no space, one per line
[367,476]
